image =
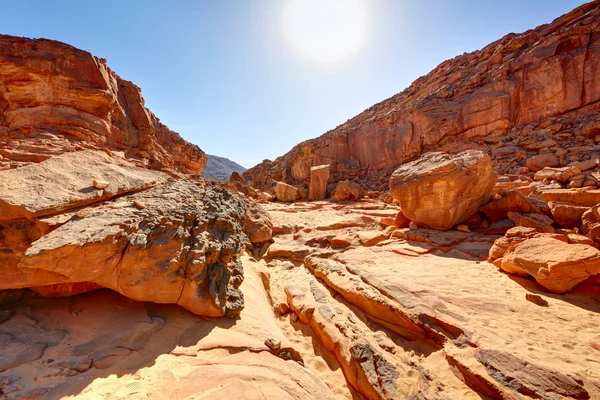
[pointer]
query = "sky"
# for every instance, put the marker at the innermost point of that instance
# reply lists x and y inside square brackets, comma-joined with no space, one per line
[249,79]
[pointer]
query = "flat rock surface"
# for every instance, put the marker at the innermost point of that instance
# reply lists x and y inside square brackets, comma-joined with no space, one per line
[66,181]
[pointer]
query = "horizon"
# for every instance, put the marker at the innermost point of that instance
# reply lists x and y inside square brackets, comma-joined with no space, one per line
[259,56]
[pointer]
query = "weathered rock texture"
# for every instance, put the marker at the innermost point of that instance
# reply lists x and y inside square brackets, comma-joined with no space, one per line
[82,203]
[440,190]
[178,242]
[55,98]
[484,99]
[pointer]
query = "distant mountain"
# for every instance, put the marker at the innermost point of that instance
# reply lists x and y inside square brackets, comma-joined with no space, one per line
[220,168]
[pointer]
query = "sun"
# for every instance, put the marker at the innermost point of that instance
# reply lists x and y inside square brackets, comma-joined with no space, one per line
[326,32]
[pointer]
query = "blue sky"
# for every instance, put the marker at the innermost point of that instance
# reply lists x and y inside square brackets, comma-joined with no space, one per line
[223,75]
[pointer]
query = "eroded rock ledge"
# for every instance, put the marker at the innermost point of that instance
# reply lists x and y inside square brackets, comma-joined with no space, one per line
[173,241]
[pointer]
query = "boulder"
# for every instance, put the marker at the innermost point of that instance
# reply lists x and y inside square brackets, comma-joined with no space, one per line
[558,174]
[286,193]
[348,191]
[590,223]
[258,225]
[440,190]
[555,265]
[567,215]
[539,222]
[183,248]
[516,235]
[542,161]
[497,209]
[319,176]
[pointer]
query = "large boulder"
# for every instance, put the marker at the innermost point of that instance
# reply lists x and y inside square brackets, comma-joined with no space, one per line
[63,231]
[177,243]
[348,191]
[440,190]
[319,176]
[258,224]
[554,264]
[286,193]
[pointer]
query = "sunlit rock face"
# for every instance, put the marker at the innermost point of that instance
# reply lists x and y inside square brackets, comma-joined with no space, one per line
[55,98]
[96,193]
[518,80]
[144,235]
[440,190]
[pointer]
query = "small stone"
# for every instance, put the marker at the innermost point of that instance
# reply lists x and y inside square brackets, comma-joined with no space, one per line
[463,228]
[534,298]
[138,204]
[84,213]
[285,355]
[11,388]
[412,225]
[273,343]
[595,343]
[294,317]
[99,184]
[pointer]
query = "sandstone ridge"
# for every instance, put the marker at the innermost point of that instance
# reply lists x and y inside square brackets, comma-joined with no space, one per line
[55,98]
[518,85]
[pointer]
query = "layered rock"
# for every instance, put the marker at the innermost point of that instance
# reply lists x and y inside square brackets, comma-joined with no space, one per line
[55,98]
[556,265]
[178,242]
[505,98]
[441,190]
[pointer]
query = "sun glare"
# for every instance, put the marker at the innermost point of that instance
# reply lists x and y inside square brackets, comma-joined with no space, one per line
[326,32]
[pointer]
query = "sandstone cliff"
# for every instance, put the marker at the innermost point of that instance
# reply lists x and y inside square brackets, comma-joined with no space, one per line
[55,98]
[519,80]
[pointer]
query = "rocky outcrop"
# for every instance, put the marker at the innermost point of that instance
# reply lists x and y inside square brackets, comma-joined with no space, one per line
[178,242]
[55,99]
[440,190]
[285,192]
[347,191]
[506,98]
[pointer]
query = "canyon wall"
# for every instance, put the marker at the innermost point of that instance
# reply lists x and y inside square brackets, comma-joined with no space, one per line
[518,80]
[55,98]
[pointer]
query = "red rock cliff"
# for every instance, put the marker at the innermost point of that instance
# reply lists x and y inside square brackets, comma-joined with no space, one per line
[518,80]
[55,98]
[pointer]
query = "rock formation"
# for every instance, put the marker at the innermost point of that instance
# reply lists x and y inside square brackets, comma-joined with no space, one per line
[440,190]
[356,299]
[286,193]
[319,176]
[347,191]
[522,94]
[177,242]
[55,99]
[83,202]
[556,265]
